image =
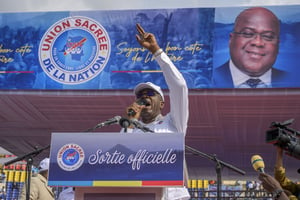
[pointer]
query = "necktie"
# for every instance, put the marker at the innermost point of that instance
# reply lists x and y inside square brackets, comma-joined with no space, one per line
[253,82]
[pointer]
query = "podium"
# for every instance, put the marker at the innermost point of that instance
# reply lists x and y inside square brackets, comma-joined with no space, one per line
[117,166]
[118,193]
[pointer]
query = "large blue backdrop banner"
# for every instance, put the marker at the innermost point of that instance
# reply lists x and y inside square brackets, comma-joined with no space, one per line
[98,49]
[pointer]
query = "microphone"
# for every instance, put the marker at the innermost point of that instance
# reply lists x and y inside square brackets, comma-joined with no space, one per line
[124,123]
[108,122]
[138,125]
[141,102]
[258,163]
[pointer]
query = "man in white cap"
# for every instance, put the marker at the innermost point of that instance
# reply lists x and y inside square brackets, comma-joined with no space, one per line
[153,101]
[39,189]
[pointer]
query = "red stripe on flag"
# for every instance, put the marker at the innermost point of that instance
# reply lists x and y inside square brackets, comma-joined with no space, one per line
[162,183]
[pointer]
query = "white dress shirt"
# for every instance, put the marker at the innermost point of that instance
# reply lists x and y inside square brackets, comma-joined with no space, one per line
[176,120]
[239,78]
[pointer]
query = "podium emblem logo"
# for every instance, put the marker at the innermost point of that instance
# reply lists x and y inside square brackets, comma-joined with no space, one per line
[70,157]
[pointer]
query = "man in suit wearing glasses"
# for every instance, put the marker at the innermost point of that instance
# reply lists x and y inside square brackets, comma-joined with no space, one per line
[253,45]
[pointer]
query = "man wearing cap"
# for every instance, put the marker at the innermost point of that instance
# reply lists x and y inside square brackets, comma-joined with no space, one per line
[39,190]
[149,112]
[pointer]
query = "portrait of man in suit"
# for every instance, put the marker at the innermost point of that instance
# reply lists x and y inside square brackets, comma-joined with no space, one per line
[253,47]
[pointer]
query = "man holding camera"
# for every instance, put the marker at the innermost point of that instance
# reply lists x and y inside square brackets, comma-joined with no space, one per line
[291,189]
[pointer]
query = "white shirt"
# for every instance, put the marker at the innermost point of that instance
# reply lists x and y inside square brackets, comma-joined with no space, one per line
[176,120]
[239,78]
[67,194]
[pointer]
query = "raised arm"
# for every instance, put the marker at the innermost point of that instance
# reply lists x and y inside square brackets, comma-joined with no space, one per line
[179,108]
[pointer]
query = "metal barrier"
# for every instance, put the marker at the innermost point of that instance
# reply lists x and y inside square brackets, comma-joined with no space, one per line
[197,194]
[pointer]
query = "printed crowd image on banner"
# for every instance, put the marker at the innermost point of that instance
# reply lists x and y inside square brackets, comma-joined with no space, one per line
[98,49]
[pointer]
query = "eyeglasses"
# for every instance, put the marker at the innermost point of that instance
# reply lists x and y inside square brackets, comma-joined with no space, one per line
[266,36]
[148,93]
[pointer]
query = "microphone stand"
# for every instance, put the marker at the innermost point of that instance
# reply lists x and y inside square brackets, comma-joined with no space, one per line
[91,129]
[138,125]
[219,165]
[29,161]
[125,123]
[108,122]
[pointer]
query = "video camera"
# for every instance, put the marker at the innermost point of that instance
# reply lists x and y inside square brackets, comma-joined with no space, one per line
[284,137]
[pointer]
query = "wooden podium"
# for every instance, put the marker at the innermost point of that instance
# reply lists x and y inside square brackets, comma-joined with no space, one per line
[117,166]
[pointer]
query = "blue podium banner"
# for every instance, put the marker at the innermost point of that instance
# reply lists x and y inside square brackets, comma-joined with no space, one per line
[116,159]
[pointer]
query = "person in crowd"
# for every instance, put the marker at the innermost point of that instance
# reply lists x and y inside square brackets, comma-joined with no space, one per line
[151,115]
[67,194]
[270,184]
[253,46]
[280,176]
[39,190]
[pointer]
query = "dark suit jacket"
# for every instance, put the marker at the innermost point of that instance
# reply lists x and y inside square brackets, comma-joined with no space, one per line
[221,78]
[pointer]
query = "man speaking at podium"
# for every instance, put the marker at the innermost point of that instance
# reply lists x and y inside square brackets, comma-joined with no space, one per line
[150,102]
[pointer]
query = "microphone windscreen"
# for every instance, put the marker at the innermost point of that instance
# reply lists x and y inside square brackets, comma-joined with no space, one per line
[143,102]
[257,162]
